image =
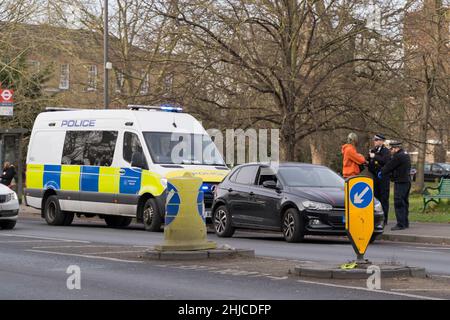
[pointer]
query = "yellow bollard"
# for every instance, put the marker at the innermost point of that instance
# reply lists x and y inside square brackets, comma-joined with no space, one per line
[185,227]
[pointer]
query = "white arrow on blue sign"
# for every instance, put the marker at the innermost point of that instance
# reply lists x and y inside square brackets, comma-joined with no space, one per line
[361,195]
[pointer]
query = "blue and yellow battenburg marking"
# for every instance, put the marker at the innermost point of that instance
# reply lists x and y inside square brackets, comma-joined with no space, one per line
[93,179]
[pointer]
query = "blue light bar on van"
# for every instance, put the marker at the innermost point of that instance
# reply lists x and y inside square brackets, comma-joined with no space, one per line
[170,108]
[165,107]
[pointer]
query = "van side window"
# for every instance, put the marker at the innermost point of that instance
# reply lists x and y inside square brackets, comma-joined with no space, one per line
[133,152]
[89,148]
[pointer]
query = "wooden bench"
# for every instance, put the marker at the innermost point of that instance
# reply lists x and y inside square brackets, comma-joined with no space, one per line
[443,192]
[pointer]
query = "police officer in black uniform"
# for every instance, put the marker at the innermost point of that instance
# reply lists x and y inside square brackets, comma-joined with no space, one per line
[399,167]
[377,159]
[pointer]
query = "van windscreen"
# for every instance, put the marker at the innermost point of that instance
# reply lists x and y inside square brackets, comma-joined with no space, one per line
[182,148]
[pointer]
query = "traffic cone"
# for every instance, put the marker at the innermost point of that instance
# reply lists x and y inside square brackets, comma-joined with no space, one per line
[185,227]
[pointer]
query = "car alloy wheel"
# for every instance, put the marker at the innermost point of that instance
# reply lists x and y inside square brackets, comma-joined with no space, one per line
[293,225]
[220,221]
[223,225]
[288,225]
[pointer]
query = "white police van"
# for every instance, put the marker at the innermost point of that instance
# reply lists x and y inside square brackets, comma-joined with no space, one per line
[115,163]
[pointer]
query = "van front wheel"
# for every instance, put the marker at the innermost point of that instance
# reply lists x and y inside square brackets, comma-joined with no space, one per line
[53,214]
[151,216]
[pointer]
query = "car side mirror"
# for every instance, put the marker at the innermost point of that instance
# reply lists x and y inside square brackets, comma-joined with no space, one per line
[270,184]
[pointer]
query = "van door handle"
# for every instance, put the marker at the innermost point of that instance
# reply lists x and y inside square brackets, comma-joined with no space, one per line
[230,189]
[122,171]
[252,193]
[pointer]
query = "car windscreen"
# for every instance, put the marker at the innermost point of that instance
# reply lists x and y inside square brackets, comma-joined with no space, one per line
[182,148]
[298,176]
[446,166]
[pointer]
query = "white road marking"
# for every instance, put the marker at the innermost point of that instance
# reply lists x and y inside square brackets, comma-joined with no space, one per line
[125,251]
[368,290]
[42,238]
[434,248]
[426,251]
[26,241]
[440,276]
[410,289]
[84,256]
[63,247]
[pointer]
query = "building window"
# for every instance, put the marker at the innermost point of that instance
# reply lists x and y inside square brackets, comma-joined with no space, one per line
[92,78]
[145,83]
[120,80]
[64,77]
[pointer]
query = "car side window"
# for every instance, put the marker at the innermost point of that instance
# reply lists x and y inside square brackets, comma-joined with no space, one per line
[266,174]
[234,175]
[246,175]
[133,152]
[436,168]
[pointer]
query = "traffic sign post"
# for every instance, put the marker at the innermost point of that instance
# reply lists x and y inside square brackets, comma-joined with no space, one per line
[6,102]
[359,214]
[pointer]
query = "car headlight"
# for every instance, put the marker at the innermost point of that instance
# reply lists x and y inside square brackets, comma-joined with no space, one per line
[164,182]
[313,205]
[14,196]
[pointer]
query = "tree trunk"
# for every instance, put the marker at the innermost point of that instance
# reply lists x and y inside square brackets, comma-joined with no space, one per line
[318,155]
[288,140]
[423,134]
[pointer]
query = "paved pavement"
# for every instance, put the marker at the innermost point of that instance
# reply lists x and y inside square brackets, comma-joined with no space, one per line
[421,232]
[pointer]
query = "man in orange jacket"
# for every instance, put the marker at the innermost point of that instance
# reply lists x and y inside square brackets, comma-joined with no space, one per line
[351,158]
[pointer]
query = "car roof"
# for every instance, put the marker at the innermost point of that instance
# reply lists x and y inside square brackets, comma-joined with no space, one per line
[282,164]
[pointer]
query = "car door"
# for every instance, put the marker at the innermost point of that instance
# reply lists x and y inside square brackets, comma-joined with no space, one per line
[238,197]
[265,202]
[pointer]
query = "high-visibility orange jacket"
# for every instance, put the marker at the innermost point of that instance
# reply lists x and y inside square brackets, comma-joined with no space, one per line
[352,160]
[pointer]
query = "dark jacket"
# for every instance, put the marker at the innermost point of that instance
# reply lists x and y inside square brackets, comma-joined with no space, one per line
[382,156]
[399,167]
[8,175]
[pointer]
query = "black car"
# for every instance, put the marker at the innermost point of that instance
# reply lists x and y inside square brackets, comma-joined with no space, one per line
[295,198]
[436,171]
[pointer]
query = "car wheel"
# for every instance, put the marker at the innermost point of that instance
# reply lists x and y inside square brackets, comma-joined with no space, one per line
[7,224]
[222,222]
[52,212]
[293,226]
[151,216]
[117,221]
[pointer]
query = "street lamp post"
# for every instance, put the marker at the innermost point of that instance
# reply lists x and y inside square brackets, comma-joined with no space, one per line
[106,64]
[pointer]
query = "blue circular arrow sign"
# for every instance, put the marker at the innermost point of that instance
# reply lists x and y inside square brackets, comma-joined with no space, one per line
[361,195]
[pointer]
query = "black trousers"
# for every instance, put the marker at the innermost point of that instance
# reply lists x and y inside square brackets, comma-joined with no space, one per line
[381,192]
[401,203]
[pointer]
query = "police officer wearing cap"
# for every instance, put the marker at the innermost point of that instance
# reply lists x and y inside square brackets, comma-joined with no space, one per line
[399,167]
[377,159]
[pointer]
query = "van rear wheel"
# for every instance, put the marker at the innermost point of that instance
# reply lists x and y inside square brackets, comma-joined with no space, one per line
[53,214]
[151,216]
